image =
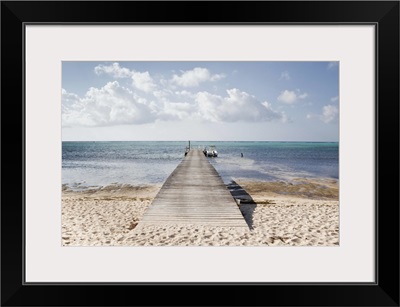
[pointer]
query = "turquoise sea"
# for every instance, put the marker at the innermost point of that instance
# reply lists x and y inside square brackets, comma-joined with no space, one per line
[95,164]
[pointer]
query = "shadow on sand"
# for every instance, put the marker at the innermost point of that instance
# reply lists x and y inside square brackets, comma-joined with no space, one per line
[246,203]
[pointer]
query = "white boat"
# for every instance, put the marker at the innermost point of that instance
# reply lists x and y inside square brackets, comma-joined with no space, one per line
[210,151]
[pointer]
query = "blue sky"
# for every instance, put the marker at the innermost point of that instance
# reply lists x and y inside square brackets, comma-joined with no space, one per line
[216,101]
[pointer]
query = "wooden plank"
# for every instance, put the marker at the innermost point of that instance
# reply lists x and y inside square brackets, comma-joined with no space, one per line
[194,194]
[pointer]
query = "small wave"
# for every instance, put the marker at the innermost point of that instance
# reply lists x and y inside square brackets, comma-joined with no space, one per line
[108,187]
[114,189]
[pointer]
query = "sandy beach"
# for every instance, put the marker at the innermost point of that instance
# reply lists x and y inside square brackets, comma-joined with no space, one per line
[302,212]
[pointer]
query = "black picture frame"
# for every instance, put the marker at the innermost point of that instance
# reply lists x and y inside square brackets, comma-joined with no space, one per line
[383,14]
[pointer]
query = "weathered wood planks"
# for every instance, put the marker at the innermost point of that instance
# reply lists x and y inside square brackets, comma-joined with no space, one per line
[194,194]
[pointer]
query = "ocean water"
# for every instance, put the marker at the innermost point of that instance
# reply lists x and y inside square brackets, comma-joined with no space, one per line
[96,164]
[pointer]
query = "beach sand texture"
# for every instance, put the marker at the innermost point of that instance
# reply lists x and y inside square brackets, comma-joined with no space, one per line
[302,212]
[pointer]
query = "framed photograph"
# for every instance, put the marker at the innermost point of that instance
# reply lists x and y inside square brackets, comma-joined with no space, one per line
[247,148]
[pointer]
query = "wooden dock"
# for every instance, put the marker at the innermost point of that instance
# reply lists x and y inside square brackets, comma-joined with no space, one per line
[194,194]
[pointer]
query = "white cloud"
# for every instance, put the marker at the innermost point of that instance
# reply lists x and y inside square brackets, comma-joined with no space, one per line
[194,77]
[161,94]
[209,106]
[109,105]
[69,100]
[330,114]
[285,76]
[177,110]
[334,99]
[140,80]
[114,104]
[143,81]
[184,93]
[236,106]
[332,65]
[302,96]
[290,97]
[114,70]
[217,77]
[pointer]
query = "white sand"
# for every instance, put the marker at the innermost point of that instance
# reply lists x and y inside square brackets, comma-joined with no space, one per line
[109,217]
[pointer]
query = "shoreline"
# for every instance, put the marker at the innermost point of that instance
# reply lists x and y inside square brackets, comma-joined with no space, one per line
[302,212]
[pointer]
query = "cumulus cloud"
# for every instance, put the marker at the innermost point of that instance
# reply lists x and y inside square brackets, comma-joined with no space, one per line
[177,110]
[114,70]
[184,93]
[236,106]
[217,77]
[112,104]
[194,77]
[290,97]
[147,100]
[143,81]
[140,80]
[330,114]
[69,100]
[285,76]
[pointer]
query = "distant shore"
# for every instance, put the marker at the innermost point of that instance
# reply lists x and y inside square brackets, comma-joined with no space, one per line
[301,212]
